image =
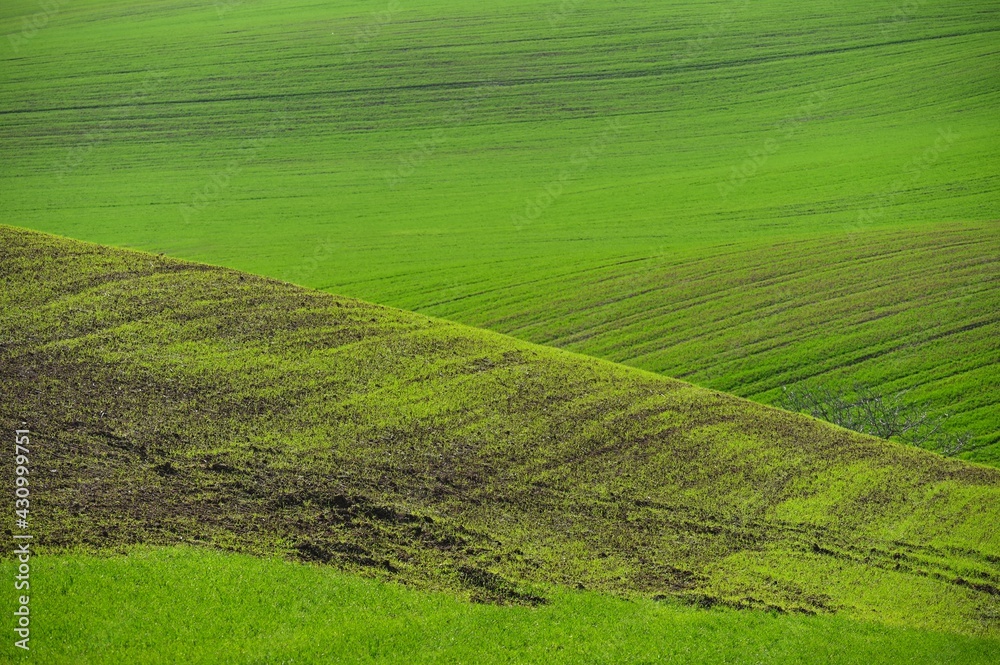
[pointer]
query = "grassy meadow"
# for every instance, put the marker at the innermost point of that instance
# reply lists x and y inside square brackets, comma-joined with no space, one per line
[246,609]
[584,173]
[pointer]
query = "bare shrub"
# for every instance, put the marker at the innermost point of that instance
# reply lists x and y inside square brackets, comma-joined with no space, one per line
[867,410]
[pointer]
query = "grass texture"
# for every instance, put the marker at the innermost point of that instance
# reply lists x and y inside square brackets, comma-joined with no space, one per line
[197,607]
[175,402]
[586,173]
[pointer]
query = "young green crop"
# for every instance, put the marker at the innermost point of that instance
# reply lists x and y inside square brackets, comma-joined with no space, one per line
[497,163]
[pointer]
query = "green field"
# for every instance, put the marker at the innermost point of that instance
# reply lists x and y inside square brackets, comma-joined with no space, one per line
[181,403]
[900,310]
[452,331]
[243,609]
[612,177]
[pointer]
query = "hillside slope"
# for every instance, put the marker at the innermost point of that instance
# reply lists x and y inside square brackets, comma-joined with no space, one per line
[493,163]
[178,402]
[898,310]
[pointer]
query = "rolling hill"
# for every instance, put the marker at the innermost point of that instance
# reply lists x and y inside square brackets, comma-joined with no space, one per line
[897,310]
[178,403]
[502,164]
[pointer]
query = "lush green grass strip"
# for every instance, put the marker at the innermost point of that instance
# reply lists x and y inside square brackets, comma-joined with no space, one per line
[193,606]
